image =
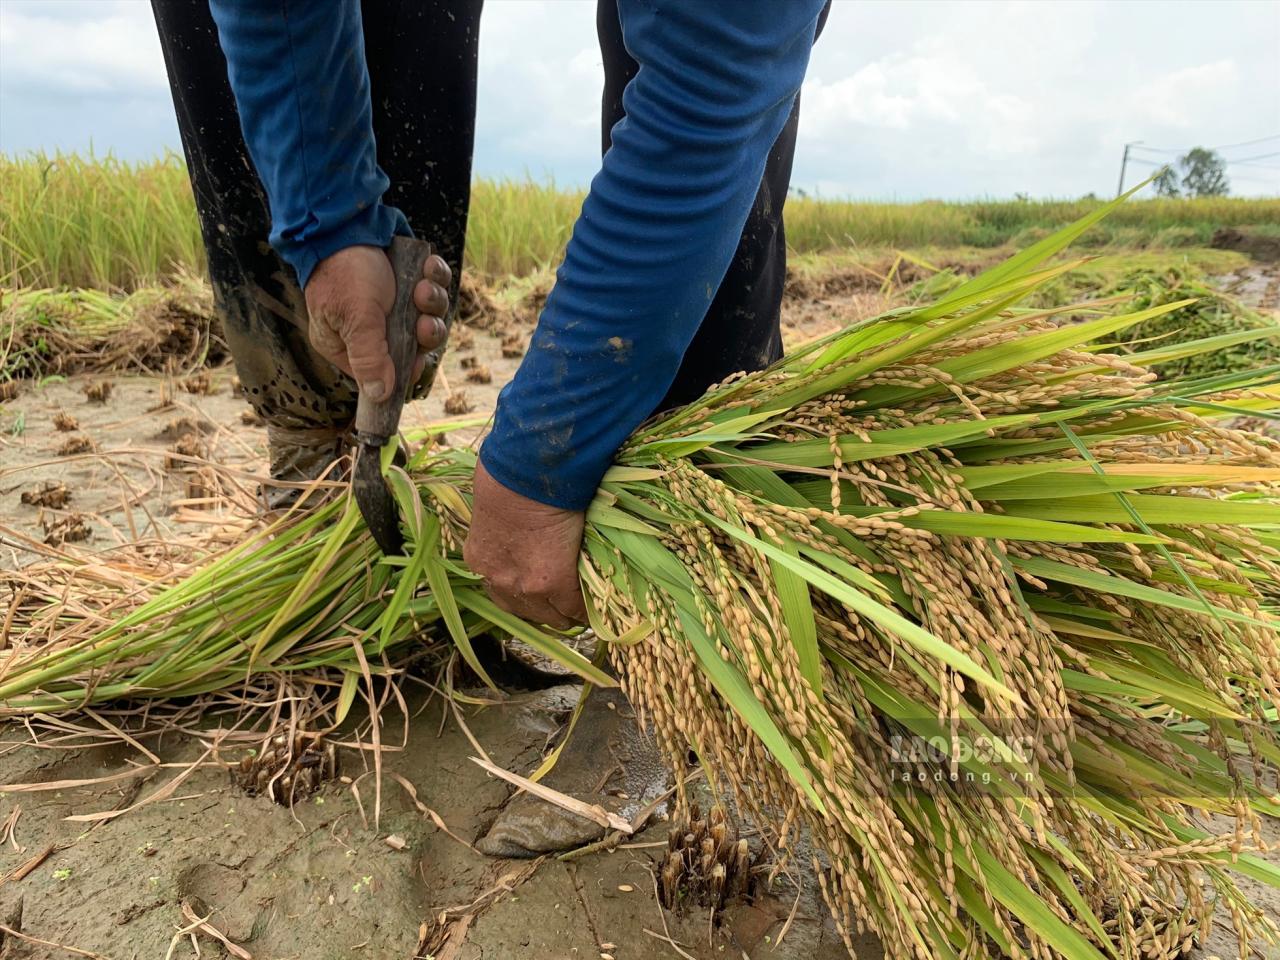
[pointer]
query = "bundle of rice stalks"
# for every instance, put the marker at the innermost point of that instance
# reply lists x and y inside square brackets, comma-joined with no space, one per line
[167,328]
[976,604]
[1149,282]
[498,304]
[1211,313]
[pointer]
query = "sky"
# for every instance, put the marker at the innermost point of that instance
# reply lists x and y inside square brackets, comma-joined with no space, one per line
[903,100]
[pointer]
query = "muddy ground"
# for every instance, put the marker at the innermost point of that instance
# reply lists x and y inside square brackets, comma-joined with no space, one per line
[322,881]
[319,882]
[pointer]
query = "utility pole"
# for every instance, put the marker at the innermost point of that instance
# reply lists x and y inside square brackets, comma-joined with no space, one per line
[1124,162]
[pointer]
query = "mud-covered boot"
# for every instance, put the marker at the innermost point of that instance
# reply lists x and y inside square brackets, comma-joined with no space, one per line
[299,456]
[608,760]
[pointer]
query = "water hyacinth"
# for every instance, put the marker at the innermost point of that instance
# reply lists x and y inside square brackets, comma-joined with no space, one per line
[986,610]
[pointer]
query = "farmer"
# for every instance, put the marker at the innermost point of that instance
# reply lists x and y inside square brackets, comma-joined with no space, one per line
[672,280]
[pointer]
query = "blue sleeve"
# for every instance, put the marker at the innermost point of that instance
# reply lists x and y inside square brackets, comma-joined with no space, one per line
[301,84]
[657,232]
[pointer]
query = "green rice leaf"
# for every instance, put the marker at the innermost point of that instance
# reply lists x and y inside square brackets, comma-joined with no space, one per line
[797,612]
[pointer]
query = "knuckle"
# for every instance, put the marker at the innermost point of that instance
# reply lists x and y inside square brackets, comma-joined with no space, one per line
[368,347]
[435,301]
[438,270]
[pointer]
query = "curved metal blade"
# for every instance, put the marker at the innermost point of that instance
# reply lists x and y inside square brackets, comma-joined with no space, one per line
[377,505]
[376,421]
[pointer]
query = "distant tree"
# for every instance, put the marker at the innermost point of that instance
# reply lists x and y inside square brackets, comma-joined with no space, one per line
[1166,183]
[1204,173]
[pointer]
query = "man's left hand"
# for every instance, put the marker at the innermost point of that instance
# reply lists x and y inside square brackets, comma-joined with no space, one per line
[527,553]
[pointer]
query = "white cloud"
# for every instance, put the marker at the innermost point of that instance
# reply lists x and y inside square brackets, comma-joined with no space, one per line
[112,49]
[901,92]
[566,99]
[930,98]
[992,98]
[1182,98]
[540,79]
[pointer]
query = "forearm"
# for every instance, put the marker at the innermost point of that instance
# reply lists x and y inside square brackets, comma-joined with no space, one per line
[655,237]
[302,89]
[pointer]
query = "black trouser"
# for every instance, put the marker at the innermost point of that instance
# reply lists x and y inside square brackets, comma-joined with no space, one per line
[422,71]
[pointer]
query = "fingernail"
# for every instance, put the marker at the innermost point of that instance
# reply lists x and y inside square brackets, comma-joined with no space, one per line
[376,389]
[441,330]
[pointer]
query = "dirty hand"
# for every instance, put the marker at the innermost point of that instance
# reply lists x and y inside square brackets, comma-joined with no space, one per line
[527,553]
[349,295]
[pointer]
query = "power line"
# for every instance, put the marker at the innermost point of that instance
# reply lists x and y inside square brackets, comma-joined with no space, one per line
[1230,163]
[1234,176]
[1225,146]
[1247,143]
[1248,162]
[1261,156]
[1265,182]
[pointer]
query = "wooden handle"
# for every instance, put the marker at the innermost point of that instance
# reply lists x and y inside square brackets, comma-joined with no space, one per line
[377,421]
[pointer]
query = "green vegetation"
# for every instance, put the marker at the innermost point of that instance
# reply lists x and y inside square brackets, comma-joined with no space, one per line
[46,332]
[103,259]
[1212,314]
[814,224]
[71,221]
[516,227]
[1136,282]
[1203,174]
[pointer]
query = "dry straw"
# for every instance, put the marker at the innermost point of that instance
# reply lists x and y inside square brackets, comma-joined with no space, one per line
[47,332]
[955,545]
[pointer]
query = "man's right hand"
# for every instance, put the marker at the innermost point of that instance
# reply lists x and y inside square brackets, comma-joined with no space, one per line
[349,295]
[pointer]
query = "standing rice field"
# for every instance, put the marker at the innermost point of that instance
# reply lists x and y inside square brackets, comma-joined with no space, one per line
[76,221]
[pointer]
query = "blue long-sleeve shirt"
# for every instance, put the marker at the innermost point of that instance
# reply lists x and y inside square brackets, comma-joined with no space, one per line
[657,230]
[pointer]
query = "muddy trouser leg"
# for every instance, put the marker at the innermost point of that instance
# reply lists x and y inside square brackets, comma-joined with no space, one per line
[422,57]
[422,66]
[741,330]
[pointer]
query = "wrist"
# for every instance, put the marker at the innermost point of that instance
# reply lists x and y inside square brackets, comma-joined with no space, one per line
[515,506]
[543,487]
[373,226]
